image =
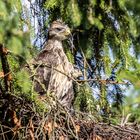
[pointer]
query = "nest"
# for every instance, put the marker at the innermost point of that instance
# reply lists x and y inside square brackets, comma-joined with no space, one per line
[20,119]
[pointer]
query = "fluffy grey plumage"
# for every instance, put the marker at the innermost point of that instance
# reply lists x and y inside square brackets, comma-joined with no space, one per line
[48,79]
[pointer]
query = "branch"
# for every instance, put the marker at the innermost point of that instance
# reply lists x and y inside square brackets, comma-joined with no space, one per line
[102,81]
[6,68]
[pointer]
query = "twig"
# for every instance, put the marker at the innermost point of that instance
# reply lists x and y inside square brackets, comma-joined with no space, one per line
[102,81]
[2,133]
[73,125]
[125,130]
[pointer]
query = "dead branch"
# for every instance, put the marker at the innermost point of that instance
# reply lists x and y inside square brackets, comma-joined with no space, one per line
[6,68]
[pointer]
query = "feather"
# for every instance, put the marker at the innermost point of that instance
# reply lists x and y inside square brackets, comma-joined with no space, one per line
[51,64]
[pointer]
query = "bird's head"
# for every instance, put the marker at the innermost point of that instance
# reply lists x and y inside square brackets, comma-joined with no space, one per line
[59,31]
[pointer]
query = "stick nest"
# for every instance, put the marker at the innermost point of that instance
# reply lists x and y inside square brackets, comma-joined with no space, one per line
[20,119]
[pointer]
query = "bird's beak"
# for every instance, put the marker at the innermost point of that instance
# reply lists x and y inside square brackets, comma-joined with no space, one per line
[67,32]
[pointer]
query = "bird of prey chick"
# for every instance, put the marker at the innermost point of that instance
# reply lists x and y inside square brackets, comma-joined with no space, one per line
[53,70]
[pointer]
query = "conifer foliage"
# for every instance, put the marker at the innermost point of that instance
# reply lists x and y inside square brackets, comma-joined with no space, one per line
[104,36]
[104,46]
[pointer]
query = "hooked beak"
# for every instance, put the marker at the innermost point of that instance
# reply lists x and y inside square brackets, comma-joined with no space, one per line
[67,32]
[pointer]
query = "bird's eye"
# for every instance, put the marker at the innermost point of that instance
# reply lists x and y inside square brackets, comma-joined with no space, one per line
[58,29]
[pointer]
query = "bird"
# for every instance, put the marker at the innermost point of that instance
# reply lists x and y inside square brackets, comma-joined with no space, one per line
[53,69]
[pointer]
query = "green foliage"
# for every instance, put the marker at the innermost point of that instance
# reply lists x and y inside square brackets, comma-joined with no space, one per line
[51,4]
[131,106]
[84,100]
[18,43]
[11,28]
[132,76]
[68,52]
[133,9]
[106,31]
[70,56]
[69,11]
[73,12]
[3,10]
[15,45]
[25,82]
